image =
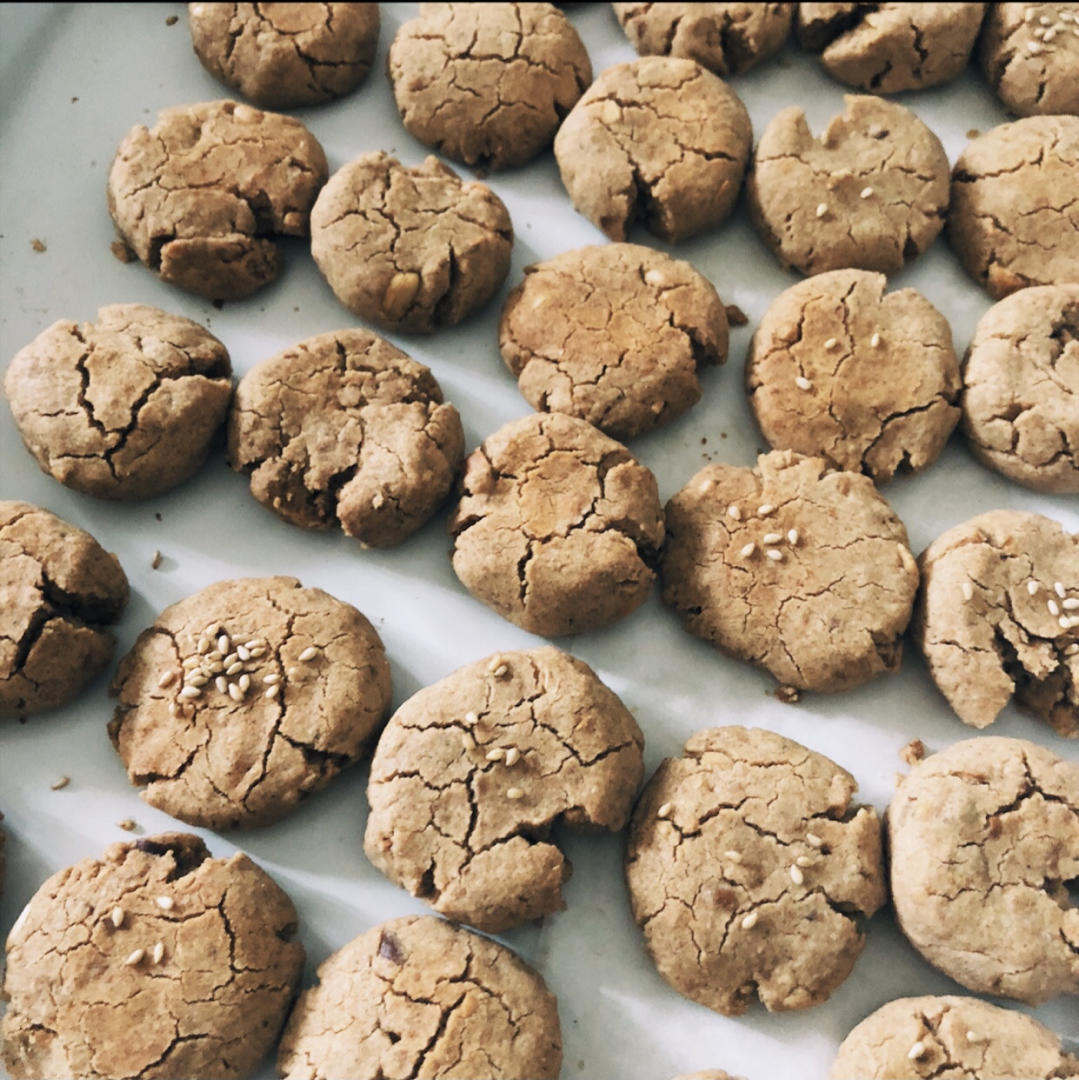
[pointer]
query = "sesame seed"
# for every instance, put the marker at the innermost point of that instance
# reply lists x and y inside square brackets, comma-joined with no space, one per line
[471,718]
[771,538]
[224,644]
[234,668]
[734,513]
[706,486]
[797,876]
[230,659]
[214,668]
[874,341]
[1058,588]
[203,645]
[243,653]
[665,810]
[222,684]
[514,793]
[774,555]
[159,952]
[254,643]
[792,537]
[1045,20]
[968,590]
[1071,650]
[191,692]
[1071,604]
[235,692]
[166,903]
[765,509]
[1072,621]
[916,1051]
[191,662]
[803,383]
[748,550]
[865,193]
[501,672]
[803,860]
[272,678]
[1032,587]
[258,652]
[975,1037]
[1050,34]
[116,917]
[1039,32]
[497,754]
[813,840]
[750,920]
[197,679]
[733,856]
[245,682]
[272,691]
[513,755]
[377,500]
[822,209]
[1054,608]
[831,343]
[308,654]
[166,680]
[135,957]
[1034,47]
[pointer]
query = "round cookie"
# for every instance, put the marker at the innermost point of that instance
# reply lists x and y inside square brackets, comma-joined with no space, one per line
[1014,220]
[487,85]
[871,192]
[410,249]
[418,997]
[613,334]
[58,591]
[285,56]
[794,567]
[345,429]
[202,196]
[158,960]
[558,528]
[886,48]
[749,870]
[469,832]
[125,407]
[246,697]
[866,381]
[1021,388]
[983,838]
[998,615]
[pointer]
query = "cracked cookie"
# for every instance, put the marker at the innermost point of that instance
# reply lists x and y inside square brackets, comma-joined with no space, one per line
[659,140]
[58,591]
[613,334]
[984,838]
[285,56]
[125,407]
[154,960]
[1021,388]
[998,615]
[1014,216]
[558,527]
[418,997]
[345,429]
[246,697]
[750,871]
[867,381]
[791,566]
[471,774]
[410,249]
[203,195]
[871,192]
[487,84]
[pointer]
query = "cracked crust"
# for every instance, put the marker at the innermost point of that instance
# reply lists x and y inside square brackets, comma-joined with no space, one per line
[883,378]
[345,429]
[82,1005]
[984,838]
[58,591]
[487,84]
[202,196]
[613,335]
[285,56]
[417,997]
[870,192]
[1021,388]
[827,612]
[558,527]
[1014,216]
[123,408]
[410,249]
[443,824]
[225,756]
[659,140]
[1004,639]
[715,842]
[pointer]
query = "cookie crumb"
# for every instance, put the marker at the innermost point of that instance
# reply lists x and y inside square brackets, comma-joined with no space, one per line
[61,782]
[128,824]
[973,133]
[122,252]
[38,245]
[913,752]
[157,516]
[788,695]
[736,316]
[171,20]
[155,562]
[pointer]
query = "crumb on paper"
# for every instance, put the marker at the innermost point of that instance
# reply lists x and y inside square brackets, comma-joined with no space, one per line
[122,251]
[736,316]
[157,516]
[128,824]
[61,782]
[155,562]
[74,100]
[704,440]
[219,304]
[38,245]
[789,695]
[973,133]
[171,20]
[913,752]
[722,434]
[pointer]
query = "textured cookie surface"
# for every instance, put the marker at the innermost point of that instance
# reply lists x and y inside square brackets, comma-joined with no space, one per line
[153,961]
[246,697]
[748,870]
[472,772]
[801,570]
[58,591]
[983,837]
[613,335]
[417,997]
[125,407]
[344,428]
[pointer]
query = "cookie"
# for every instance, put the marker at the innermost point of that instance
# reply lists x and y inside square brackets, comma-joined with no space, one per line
[202,196]
[792,566]
[749,870]
[1013,220]
[487,85]
[866,381]
[125,407]
[998,615]
[659,140]
[886,48]
[614,335]
[59,590]
[871,192]
[344,429]
[472,772]
[243,699]
[708,1074]
[1021,388]
[558,527]
[154,960]
[410,249]
[419,997]
[285,56]
[983,837]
